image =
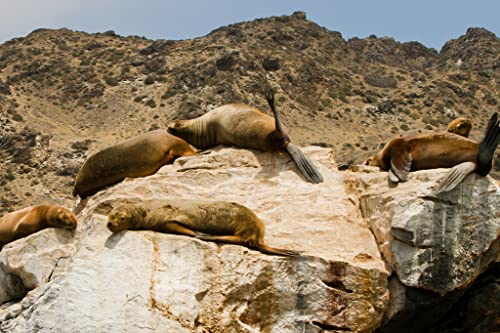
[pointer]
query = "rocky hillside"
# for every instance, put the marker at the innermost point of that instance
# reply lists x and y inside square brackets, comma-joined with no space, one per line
[66,94]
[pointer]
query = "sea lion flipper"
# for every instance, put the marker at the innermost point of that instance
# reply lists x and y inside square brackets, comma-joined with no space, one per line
[280,252]
[306,167]
[488,145]
[401,160]
[454,177]
[80,206]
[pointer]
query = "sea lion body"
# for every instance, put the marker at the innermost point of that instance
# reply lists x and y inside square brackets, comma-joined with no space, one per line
[244,126]
[18,224]
[439,150]
[140,156]
[460,126]
[428,151]
[208,220]
[232,124]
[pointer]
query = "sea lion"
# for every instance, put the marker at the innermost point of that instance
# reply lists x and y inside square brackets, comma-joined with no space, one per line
[139,156]
[439,150]
[244,126]
[460,126]
[21,223]
[218,221]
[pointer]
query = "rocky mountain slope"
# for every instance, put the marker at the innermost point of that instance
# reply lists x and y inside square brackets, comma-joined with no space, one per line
[66,94]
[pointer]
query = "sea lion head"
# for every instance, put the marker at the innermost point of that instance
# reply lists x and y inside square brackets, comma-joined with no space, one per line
[460,126]
[62,218]
[122,217]
[177,127]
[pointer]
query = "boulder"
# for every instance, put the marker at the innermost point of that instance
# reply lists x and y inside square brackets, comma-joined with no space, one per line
[142,281]
[438,243]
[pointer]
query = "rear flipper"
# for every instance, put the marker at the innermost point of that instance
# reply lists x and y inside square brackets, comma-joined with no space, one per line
[238,240]
[280,252]
[454,177]
[488,146]
[306,167]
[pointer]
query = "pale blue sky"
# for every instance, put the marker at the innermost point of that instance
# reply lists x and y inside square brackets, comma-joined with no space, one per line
[431,22]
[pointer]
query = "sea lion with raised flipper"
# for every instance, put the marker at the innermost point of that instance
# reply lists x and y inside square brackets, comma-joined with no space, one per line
[21,223]
[439,150]
[139,156]
[460,126]
[244,126]
[217,221]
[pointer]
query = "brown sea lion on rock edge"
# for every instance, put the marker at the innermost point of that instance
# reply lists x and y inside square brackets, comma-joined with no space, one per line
[244,126]
[439,150]
[21,223]
[460,126]
[217,221]
[139,156]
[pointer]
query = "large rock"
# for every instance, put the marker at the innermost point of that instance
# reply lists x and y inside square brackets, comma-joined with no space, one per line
[436,246]
[142,281]
[438,243]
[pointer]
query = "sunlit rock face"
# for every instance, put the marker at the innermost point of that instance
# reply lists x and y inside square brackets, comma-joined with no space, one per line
[374,256]
[143,280]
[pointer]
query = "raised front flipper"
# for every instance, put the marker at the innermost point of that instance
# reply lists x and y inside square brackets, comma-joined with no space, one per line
[401,160]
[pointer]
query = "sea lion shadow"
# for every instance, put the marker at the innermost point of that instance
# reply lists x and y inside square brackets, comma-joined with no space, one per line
[114,239]
[65,236]
[391,184]
[277,165]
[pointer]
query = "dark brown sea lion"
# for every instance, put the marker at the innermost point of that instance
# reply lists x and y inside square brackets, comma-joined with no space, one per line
[140,156]
[460,126]
[439,150]
[244,126]
[217,221]
[29,220]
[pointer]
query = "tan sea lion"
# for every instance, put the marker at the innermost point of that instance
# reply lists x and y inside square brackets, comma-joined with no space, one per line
[460,126]
[439,150]
[21,223]
[139,156]
[217,221]
[244,126]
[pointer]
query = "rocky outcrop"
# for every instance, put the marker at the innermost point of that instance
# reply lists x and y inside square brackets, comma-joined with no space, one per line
[478,49]
[354,232]
[151,281]
[436,246]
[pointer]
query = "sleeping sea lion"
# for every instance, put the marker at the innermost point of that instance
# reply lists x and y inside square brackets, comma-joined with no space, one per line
[139,156]
[460,126]
[439,150]
[217,221]
[21,223]
[244,126]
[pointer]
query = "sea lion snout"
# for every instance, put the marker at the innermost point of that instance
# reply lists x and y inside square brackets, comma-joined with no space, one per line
[174,126]
[65,219]
[118,219]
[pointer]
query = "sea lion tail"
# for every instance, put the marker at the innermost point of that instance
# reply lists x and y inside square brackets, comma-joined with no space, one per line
[454,177]
[306,167]
[488,145]
[280,252]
